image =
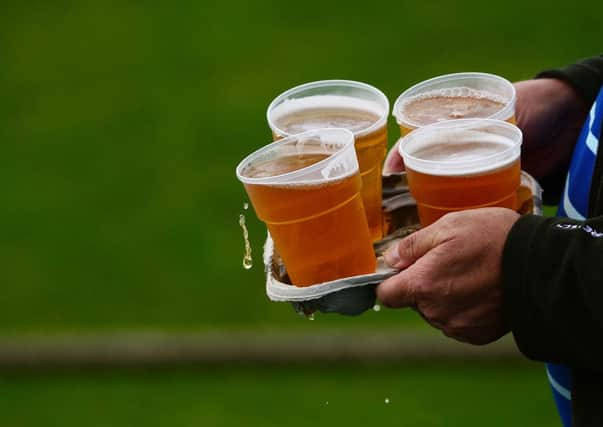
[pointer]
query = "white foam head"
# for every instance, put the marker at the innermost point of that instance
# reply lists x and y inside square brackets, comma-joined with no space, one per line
[498,89]
[345,95]
[461,147]
[325,102]
[336,142]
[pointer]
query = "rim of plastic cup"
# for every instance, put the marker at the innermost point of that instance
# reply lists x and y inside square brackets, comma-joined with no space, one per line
[457,167]
[502,114]
[287,178]
[325,83]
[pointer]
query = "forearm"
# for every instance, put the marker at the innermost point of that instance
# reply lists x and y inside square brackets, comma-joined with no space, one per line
[553,284]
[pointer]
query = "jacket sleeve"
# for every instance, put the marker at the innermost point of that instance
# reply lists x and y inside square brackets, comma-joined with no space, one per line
[553,287]
[586,77]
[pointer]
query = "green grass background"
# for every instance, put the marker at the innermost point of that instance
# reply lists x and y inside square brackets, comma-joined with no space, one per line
[323,395]
[121,123]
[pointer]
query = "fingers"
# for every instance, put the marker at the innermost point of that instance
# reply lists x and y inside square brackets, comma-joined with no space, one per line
[400,290]
[450,274]
[397,291]
[410,249]
[393,162]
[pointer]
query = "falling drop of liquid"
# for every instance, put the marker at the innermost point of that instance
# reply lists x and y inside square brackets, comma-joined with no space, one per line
[310,316]
[387,400]
[245,205]
[247,260]
[376,307]
[327,402]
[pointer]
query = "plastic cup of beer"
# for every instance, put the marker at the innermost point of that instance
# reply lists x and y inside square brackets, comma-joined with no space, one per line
[455,96]
[306,189]
[356,106]
[462,164]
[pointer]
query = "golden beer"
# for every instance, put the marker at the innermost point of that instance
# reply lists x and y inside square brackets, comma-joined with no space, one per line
[455,96]
[463,164]
[318,224]
[341,104]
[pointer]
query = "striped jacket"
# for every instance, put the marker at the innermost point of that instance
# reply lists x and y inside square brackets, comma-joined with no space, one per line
[553,271]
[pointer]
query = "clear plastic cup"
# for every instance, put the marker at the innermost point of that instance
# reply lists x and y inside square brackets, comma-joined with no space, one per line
[306,189]
[356,106]
[455,96]
[462,164]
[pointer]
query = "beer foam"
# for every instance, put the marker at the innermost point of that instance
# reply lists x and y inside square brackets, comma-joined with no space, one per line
[356,115]
[331,171]
[283,165]
[455,102]
[456,92]
[459,152]
[313,169]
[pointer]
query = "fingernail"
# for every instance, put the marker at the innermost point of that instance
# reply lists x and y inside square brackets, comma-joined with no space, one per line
[391,256]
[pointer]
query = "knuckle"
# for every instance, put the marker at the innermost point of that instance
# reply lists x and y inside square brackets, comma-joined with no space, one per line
[453,221]
[419,283]
[408,246]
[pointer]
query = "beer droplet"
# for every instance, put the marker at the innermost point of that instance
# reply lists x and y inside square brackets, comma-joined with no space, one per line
[247,260]
[376,307]
[245,205]
[310,316]
[387,400]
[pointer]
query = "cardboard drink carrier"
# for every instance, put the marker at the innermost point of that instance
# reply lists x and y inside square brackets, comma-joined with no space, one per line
[354,295]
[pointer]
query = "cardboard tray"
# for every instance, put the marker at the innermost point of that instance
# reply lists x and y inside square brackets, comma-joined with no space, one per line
[354,295]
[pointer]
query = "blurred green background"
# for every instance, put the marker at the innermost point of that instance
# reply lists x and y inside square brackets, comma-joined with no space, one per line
[121,123]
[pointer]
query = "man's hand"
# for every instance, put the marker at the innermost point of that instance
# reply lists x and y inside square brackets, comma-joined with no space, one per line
[451,274]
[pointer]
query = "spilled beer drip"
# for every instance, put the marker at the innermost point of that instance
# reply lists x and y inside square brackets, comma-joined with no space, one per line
[247,260]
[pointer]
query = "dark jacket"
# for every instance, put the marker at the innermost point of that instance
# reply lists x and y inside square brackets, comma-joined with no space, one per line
[553,278]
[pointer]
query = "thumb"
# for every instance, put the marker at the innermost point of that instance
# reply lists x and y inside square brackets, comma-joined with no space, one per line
[411,248]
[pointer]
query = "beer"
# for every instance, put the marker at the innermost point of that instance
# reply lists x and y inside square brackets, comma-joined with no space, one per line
[455,96]
[318,225]
[361,108]
[475,164]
